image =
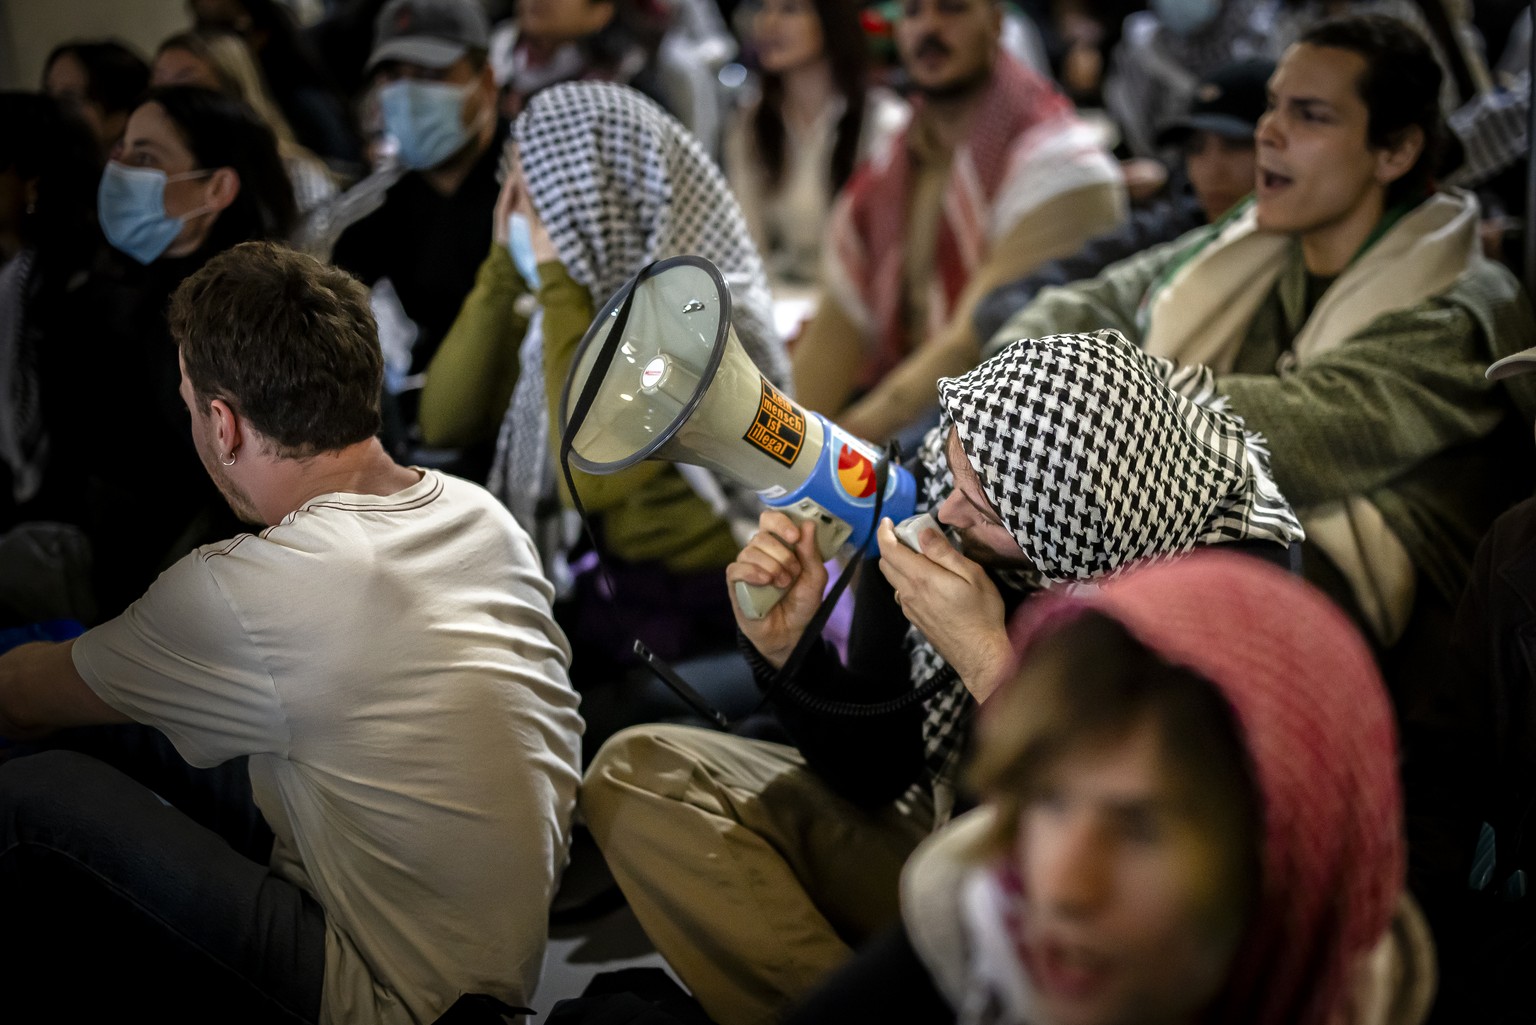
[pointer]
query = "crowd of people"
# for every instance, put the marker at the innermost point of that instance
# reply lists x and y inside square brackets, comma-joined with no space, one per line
[1204,694]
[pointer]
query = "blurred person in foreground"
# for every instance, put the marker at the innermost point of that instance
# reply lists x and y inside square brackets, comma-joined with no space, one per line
[1191,813]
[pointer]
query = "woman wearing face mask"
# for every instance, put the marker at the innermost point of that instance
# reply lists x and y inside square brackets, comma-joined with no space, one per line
[600,182]
[195,174]
[1192,814]
[789,149]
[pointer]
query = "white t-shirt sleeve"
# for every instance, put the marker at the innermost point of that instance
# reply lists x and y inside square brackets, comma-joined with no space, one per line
[180,660]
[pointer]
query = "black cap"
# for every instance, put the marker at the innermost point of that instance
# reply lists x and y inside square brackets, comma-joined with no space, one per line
[1228,102]
[431,33]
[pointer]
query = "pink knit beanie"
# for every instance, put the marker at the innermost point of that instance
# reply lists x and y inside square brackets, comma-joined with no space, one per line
[1319,732]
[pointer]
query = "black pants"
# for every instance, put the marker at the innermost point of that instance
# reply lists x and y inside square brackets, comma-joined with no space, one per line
[117,902]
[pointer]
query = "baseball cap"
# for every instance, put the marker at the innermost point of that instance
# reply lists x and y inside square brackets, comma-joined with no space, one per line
[431,33]
[1228,102]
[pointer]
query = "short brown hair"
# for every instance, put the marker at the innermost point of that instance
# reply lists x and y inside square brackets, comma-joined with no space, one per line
[289,342]
[1088,683]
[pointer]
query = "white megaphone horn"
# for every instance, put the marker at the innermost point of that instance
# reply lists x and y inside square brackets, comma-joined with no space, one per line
[678,386]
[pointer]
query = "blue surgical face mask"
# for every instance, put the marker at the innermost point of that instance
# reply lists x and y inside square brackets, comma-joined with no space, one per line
[130,203]
[426,119]
[1186,17]
[520,245]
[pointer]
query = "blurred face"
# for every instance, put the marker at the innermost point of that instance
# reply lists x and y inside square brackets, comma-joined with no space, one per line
[1318,176]
[787,34]
[66,81]
[1127,918]
[152,140]
[983,536]
[948,46]
[1220,169]
[562,21]
[181,67]
[205,439]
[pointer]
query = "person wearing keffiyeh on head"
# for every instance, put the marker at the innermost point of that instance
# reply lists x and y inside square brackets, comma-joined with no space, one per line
[599,183]
[755,867]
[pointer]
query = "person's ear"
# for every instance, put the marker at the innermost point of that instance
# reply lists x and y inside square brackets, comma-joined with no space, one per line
[228,430]
[223,188]
[1397,158]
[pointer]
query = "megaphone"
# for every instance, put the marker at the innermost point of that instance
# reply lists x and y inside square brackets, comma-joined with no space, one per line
[678,386]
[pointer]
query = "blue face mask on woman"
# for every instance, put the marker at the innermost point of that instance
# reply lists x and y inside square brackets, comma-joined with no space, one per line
[426,119]
[130,204]
[520,245]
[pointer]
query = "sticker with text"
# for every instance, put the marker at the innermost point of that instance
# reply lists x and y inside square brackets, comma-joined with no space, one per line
[779,427]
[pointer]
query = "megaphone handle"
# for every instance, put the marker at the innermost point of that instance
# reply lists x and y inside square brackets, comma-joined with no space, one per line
[757,600]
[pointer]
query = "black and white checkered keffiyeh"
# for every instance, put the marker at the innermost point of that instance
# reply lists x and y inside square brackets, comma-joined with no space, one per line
[1095,455]
[618,183]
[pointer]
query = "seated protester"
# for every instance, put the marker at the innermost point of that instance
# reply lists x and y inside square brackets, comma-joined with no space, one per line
[1216,137]
[1165,52]
[1191,813]
[994,175]
[601,183]
[221,61]
[438,101]
[101,81]
[798,848]
[376,674]
[197,173]
[303,87]
[790,147]
[1349,315]
[553,41]
[49,171]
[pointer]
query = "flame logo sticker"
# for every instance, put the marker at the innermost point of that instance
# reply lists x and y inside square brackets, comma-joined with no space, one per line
[855,472]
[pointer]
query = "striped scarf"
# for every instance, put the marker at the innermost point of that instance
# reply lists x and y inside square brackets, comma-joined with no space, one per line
[1026,146]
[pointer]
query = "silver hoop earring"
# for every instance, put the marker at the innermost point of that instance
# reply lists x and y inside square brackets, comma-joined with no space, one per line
[230,461]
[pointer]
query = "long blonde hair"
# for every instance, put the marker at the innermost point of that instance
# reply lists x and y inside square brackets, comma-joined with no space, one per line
[234,66]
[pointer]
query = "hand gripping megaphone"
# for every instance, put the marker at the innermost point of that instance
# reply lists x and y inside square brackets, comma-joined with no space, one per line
[677,385]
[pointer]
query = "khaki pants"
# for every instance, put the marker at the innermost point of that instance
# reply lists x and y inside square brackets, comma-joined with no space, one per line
[752,877]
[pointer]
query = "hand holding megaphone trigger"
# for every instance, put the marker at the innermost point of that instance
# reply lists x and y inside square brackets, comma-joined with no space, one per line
[827,534]
[783,561]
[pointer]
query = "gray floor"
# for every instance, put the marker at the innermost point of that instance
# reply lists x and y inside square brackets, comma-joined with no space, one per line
[580,949]
[578,952]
